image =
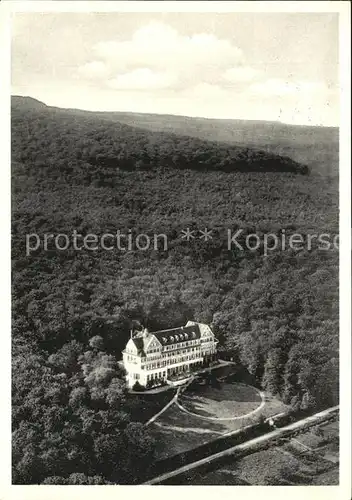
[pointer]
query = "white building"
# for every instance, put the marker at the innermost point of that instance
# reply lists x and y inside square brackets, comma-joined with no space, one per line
[166,353]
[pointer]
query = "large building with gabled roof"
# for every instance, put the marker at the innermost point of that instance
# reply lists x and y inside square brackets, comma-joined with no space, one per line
[162,355]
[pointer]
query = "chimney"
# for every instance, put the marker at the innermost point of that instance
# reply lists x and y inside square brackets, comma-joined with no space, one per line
[145,333]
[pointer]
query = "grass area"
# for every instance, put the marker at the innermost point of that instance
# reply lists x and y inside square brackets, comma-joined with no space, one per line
[226,401]
[177,431]
[289,464]
[145,405]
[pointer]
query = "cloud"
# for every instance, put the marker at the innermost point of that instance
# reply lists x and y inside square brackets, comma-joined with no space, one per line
[93,70]
[241,74]
[205,91]
[204,67]
[162,57]
[159,45]
[142,79]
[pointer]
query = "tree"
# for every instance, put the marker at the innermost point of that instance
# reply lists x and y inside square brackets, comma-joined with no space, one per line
[273,371]
[78,397]
[308,401]
[116,393]
[97,343]
[56,480]
[80,478]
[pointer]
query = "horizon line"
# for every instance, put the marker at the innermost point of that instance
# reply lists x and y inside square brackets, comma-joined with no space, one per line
[278,122]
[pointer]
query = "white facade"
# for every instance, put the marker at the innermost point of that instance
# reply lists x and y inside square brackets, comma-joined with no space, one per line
[160,355]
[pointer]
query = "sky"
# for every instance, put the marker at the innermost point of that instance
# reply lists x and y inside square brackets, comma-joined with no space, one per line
[254,66]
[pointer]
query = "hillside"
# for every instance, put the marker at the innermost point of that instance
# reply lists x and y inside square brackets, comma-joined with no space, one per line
[316,147]
[72,310]
[97,141]
[26,103]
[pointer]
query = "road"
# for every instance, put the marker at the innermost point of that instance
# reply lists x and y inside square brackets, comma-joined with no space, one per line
[281,432]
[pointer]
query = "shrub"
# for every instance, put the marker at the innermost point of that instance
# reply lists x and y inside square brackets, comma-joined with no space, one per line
[138,387]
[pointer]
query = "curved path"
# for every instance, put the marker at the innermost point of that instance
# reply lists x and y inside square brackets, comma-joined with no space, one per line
[171,402]
[246,415]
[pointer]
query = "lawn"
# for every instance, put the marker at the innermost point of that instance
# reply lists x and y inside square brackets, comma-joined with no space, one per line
[176,430]
[225,402]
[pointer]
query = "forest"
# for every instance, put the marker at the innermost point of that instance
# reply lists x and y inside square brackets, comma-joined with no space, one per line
[73,422]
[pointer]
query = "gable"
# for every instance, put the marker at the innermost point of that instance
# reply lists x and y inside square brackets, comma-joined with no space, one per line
[131,346]
[153,343]
[205,330]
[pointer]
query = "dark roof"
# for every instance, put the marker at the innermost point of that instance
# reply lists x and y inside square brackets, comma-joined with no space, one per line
[177,335]
[139,343]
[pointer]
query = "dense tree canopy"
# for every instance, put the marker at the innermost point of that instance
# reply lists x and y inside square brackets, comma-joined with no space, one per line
[73,422]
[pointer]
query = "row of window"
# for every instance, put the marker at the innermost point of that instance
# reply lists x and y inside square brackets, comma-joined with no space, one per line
[156,375]
[182,344]
[194,350]
[151,357]
[174,346]
[164,373]
[131,358]
[181,359]
[184,351]
[208,339]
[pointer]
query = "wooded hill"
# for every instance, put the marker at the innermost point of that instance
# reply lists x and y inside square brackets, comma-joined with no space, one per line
[73,310]
[85,141]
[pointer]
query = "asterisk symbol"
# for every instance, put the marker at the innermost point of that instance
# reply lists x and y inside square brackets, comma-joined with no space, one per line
[188,234]
[205,234]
